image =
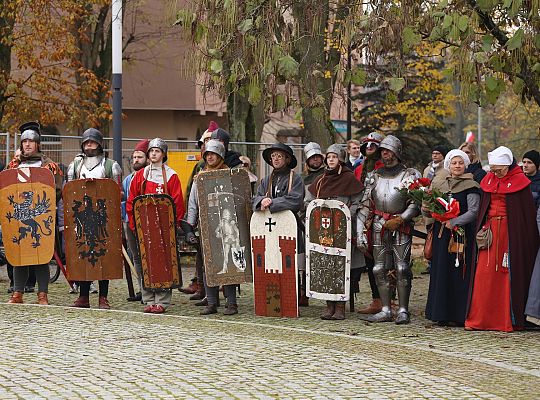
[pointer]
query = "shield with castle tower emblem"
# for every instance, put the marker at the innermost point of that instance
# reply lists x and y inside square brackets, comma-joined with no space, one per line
[28,215]
[224,214]
[93,230]
[155,226]
[328,250]
[275,269]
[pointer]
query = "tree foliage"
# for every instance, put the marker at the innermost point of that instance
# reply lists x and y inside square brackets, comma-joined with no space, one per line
[417,112]
[278,54]
[48,80]
[491,45]
[62,52]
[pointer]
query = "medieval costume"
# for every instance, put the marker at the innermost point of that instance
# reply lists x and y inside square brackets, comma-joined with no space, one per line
[390,214]
[232,158]
[451,271]
[131,240]
[286,190]
[502,274]
[312,150]
[30,131]
[196,287]
[156,178]
[192,220]
[339,183]
[92,163]
[532,309]
[372,161]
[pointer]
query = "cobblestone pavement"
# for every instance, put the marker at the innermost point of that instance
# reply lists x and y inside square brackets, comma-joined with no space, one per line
[60,352]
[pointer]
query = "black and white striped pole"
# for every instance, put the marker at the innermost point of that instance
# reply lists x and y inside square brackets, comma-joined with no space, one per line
[117,79]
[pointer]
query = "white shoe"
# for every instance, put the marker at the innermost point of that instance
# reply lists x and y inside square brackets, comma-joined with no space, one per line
[93,288]
[74,289]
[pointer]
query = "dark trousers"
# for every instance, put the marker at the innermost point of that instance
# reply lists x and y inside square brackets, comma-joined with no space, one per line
[370,263]
[85,288]
[30,282]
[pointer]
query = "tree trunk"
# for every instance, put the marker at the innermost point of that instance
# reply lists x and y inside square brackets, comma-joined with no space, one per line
[316,93]
[245,121]
[6,29]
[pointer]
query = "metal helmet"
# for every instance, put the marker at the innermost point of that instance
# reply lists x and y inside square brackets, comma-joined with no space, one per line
[373,137]
[312,149]
[92,134]
[158,143]
[338,149]
[214,146]
[31,131]
[392,143]
[223,136]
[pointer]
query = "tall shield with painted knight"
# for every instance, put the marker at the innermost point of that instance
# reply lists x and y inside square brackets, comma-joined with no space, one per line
[275,269]
[93,230]
[224,214]
[28,215]
[328,250]
[155,226]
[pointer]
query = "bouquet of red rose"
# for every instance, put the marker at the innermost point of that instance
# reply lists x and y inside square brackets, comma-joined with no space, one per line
[442,207]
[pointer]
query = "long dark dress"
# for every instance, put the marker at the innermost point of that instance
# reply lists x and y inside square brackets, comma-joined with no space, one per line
[448,284]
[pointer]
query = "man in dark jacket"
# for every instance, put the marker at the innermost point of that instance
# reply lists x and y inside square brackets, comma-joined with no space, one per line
[531,161]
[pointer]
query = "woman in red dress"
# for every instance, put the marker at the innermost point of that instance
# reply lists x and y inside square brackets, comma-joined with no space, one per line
[498,292]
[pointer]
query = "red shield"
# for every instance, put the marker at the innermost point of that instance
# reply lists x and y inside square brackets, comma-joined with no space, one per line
[93,230]
[155,219]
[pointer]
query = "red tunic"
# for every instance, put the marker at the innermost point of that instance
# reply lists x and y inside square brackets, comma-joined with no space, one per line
[490,307]
[174,189]
[502,274]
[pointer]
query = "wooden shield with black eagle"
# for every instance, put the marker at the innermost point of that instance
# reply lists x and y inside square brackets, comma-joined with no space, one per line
[155,226]
[28,215]
[328,250]
[93,230]
[224,214]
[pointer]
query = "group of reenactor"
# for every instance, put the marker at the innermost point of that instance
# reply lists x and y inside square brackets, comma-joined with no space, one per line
[297,237]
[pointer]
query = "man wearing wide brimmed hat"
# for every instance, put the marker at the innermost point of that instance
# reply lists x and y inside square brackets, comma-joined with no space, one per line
[282,190]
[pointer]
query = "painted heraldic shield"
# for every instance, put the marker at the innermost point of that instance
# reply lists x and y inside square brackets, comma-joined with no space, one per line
[28,215]
[224,213]
[275,272]
[328,250]
[155,225]
[93,230]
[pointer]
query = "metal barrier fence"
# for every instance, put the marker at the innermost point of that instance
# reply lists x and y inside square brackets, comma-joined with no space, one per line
[63,149]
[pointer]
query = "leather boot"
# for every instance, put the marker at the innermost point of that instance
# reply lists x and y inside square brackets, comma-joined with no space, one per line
[192,288]
[303,300]
[231,309]
[82,302]
[42,299]
[373,308]
[16,298]
[104,303]
[199,294]
[330,310]
[339,313]
[209,309]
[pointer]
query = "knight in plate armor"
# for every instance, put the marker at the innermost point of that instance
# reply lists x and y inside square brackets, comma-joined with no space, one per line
[390,215]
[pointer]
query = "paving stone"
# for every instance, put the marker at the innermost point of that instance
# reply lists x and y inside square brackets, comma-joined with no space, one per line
[59,352]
